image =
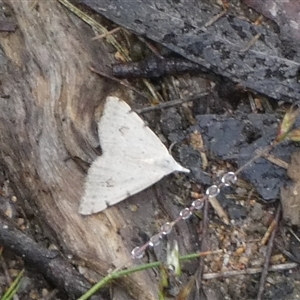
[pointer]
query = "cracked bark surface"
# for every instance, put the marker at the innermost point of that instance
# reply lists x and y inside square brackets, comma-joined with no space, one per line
[50,104]
[269,67]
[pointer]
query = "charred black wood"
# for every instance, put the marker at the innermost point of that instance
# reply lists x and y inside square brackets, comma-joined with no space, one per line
[220,48]
[155,67]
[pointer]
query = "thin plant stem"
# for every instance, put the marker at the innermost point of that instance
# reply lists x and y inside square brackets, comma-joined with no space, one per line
[12,290]
[116,274]
[260,154]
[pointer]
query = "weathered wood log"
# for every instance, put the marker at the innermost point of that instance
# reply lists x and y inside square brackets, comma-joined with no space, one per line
[49,107]
[270,67]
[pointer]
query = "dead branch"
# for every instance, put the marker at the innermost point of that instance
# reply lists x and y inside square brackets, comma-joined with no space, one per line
[49,263]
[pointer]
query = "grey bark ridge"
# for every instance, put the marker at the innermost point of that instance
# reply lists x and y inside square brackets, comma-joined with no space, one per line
[218,48]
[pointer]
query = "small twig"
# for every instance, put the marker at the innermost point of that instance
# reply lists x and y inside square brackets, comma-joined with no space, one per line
[267,234]
[170,103]
[150,46]
[250,194]
[273,159]
[94,24]
[49,263]
[215,18]
[252,103]
[287,254]
[294,234]
[154,67]
[265,270]
[264,151]
[251,43]
[250,271]
[219,209]
[152,90]
[103,35]
[118,81]
[258,21]
[34,4]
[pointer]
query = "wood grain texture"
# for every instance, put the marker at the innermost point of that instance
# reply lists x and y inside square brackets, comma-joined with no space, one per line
[133,159]
[49,108]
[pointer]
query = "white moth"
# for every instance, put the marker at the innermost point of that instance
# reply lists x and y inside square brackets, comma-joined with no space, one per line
[133,159]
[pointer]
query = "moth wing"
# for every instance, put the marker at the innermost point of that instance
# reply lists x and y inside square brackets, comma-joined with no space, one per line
[133,158]
[122,130]
[111,180]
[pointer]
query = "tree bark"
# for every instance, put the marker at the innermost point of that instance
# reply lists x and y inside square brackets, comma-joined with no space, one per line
[49,107]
